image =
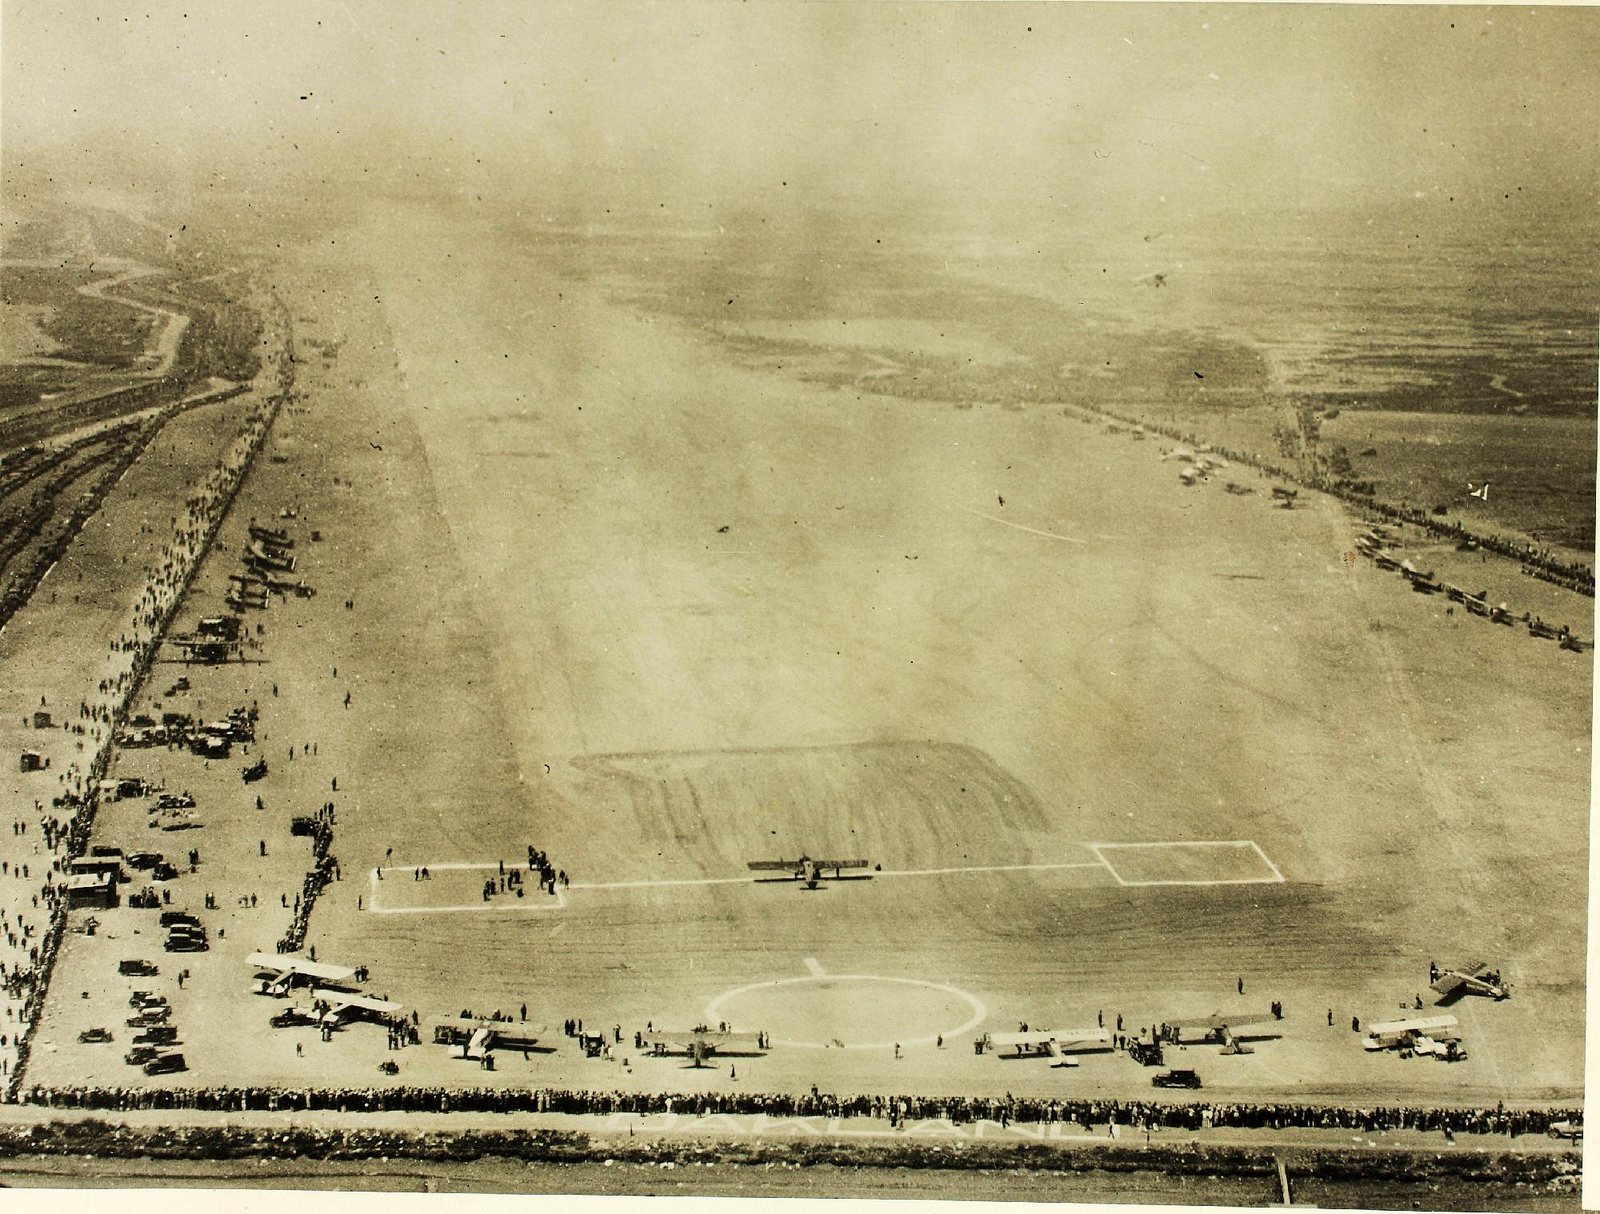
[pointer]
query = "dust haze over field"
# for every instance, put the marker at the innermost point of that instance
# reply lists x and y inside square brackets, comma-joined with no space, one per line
[697,420]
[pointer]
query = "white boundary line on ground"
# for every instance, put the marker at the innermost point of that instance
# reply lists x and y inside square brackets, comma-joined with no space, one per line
[1277,877]
[983,868]
[560,902]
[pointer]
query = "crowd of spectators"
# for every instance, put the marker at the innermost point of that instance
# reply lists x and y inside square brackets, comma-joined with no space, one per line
[1089,1114]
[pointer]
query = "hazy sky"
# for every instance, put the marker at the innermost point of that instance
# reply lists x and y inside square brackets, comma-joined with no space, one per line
[1212,106]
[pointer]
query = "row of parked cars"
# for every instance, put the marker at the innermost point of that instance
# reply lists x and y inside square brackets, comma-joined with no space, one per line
[155,1037]
[185,933]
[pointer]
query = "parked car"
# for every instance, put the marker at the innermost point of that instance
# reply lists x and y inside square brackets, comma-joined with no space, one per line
[165,1064]
[1177,1079]
[137,969]
[169,917]
[164,872]
[174,800]
[187,944]
[139,1055]
[292,1017]
[94,1036]
[144,860]
[160,1034]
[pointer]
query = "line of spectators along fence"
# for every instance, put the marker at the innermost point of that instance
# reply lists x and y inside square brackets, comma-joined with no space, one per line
[1536,562]
[206,511]
[1195,1115]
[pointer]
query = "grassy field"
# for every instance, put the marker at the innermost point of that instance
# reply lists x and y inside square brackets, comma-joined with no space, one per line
[659,612]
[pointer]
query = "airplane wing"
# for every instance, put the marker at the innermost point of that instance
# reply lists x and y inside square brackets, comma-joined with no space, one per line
[1220,1020]
[1002,1041]
[1449,986]
[267,961]
[773,866]
[340,1001]
[821,864]
[661,1042]
[1067,1039]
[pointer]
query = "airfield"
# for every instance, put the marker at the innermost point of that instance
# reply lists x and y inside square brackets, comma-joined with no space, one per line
[1115,747]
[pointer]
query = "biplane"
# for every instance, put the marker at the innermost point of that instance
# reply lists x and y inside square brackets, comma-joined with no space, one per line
[1405,1034]
[808,870]
[1412,574]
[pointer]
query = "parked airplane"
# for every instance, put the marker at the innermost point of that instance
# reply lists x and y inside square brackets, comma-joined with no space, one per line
[473,1039]
[700,1044]
[808,870]
[343,1005]
[1412,574]
[1053,1042]
[1474,978]
[284,970]
[276,538]
[1222,1029]
[1396,1034]
[257,553]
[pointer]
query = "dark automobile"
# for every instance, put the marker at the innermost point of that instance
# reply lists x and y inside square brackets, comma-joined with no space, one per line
[149,1017]
[137,969]
[165,1064]
[139,1055]
[1176,1079]
[164,871]
[169,800]
[144,859]
[292,1017]
[187,944]
[256,771]
[168,918]
[94,1036]
[160,1034]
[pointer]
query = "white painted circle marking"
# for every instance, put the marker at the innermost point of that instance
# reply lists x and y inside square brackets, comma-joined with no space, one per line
[979,1011]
